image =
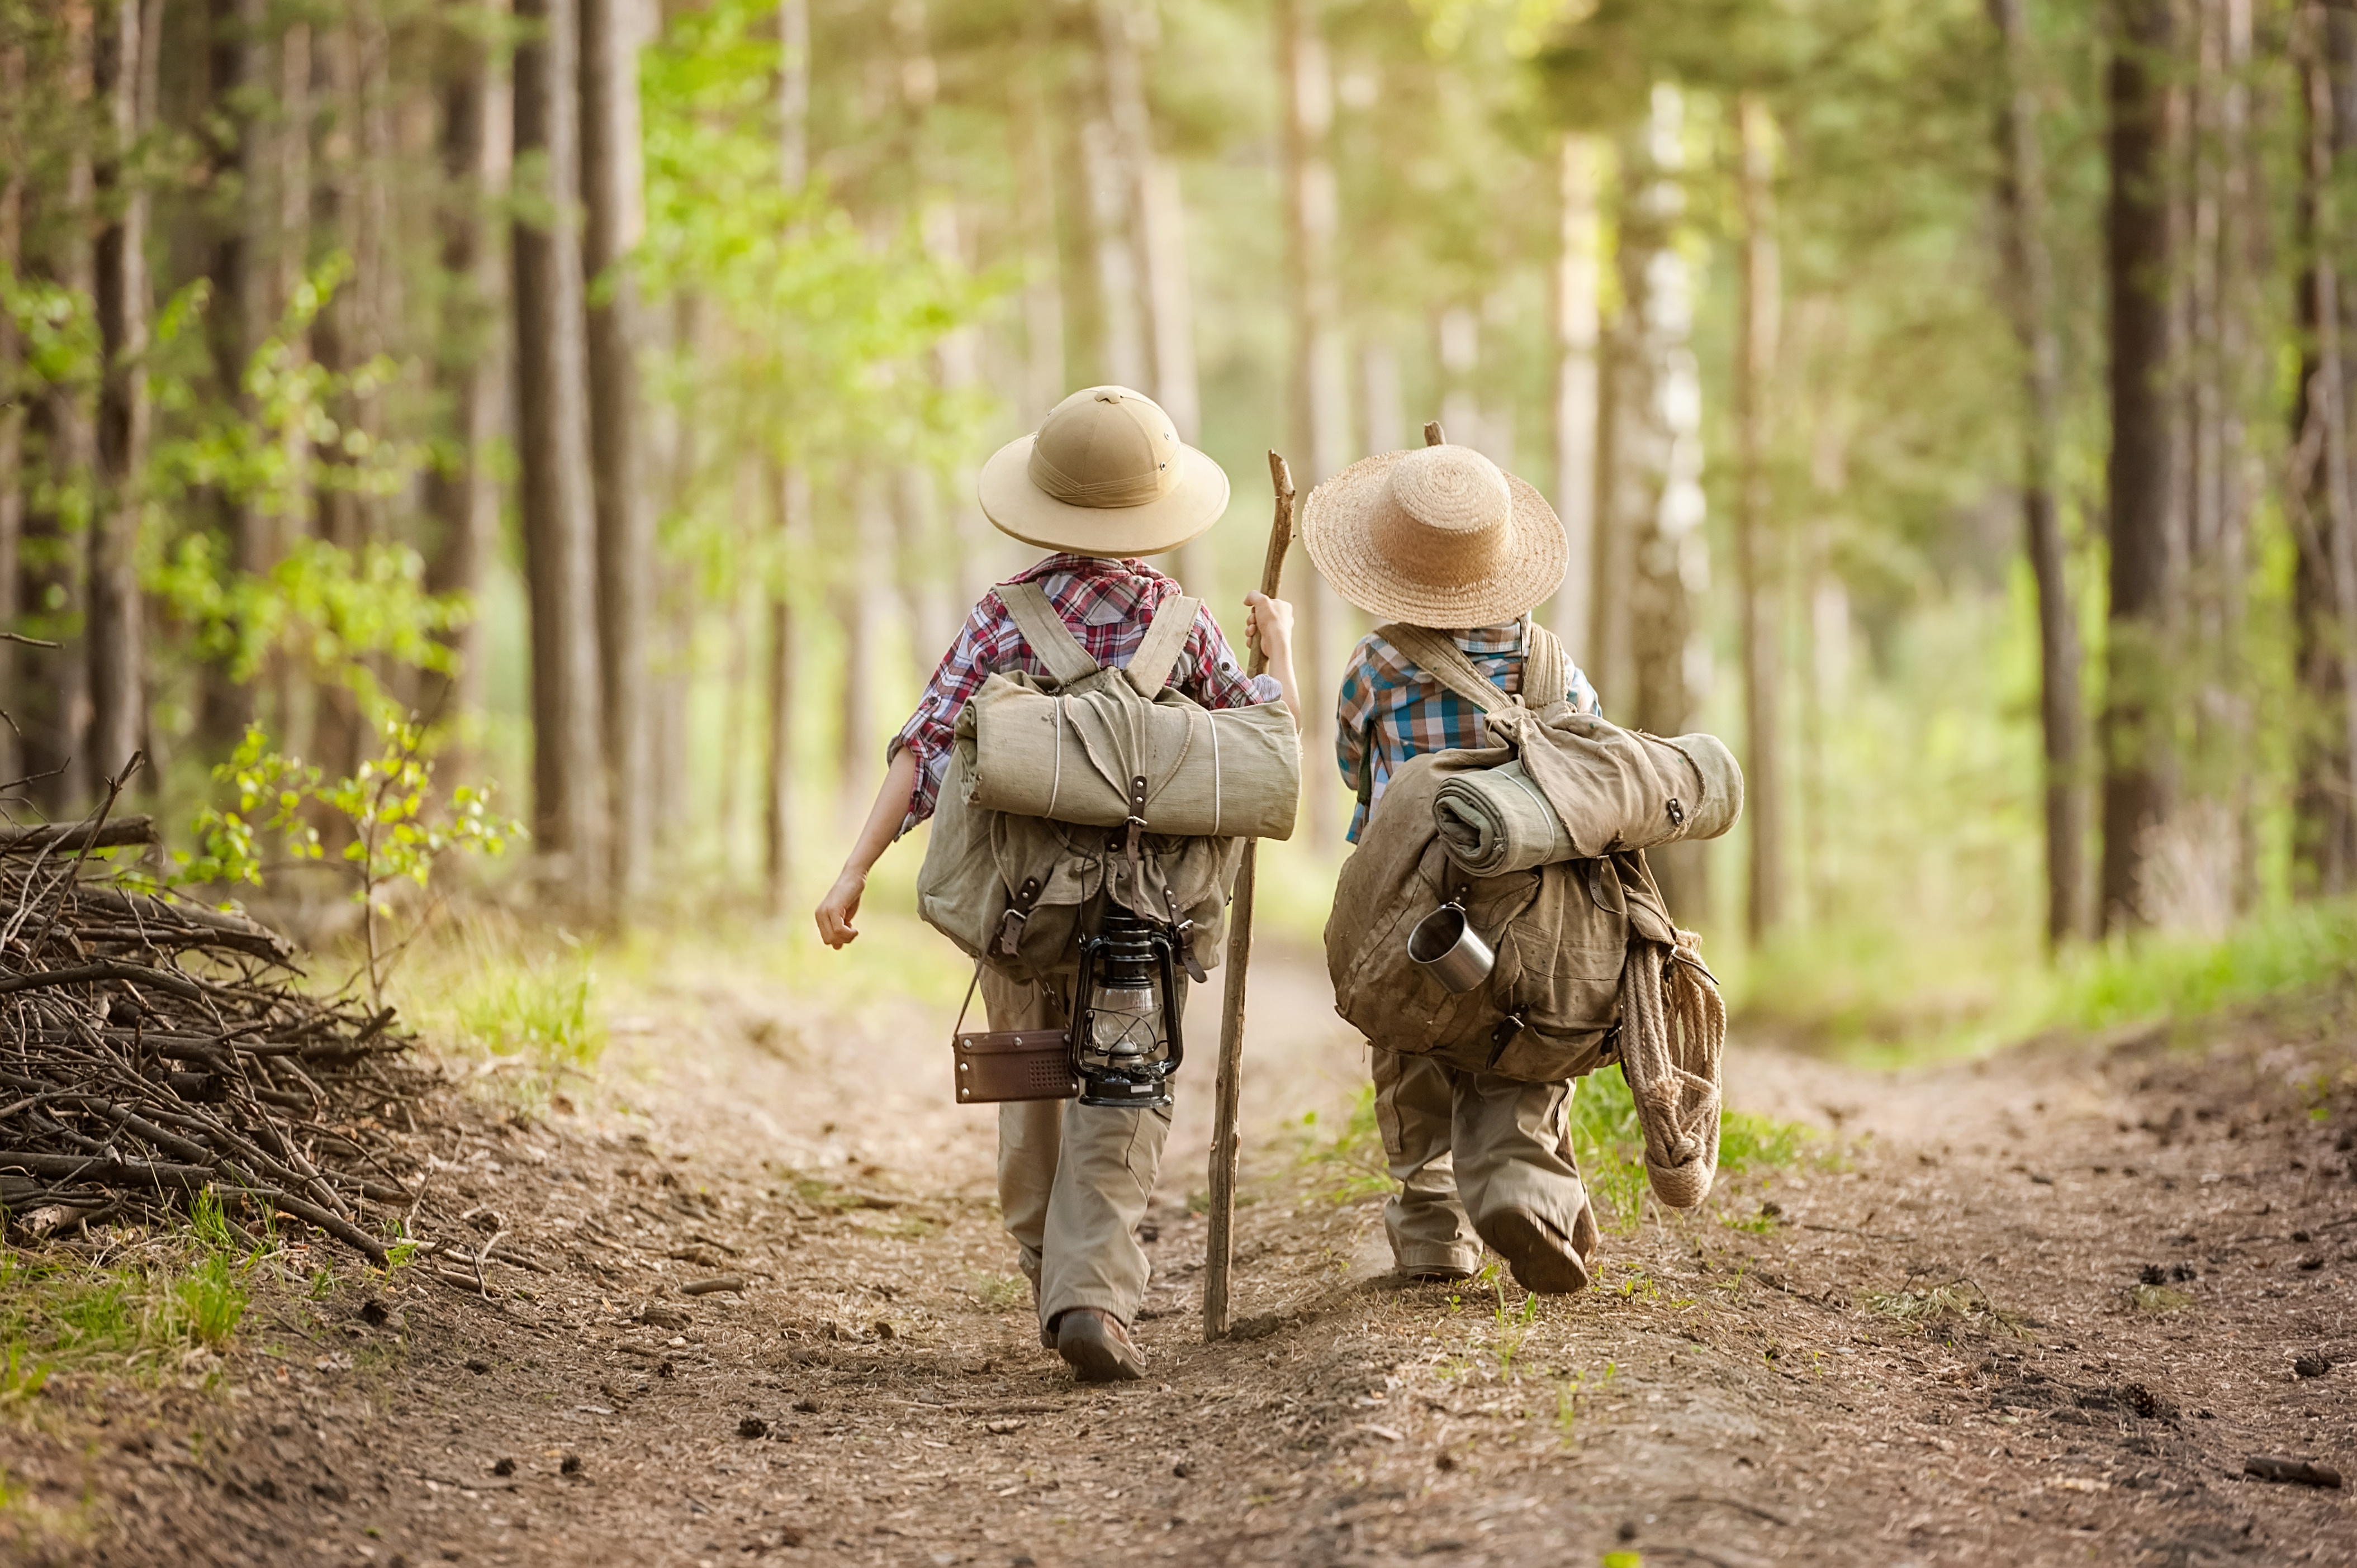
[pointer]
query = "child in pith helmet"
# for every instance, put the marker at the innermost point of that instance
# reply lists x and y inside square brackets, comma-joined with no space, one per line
[1103,482]
[1443,539]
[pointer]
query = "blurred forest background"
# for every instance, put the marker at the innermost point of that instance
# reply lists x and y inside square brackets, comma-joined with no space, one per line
[1947,400]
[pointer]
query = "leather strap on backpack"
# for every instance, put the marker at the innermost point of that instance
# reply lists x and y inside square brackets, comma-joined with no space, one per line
[1045,631]
[1437,655]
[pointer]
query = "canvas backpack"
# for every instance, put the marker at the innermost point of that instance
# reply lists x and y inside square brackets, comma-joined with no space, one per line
[1017,891]
[1589,969]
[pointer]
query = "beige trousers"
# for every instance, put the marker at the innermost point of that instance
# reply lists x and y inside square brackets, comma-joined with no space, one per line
[1466,1146]
[1073,1179]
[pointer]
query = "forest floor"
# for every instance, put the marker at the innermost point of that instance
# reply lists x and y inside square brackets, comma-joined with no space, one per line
[2036,1308]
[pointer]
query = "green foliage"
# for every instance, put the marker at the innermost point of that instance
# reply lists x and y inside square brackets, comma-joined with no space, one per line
[333,613]
[396,827]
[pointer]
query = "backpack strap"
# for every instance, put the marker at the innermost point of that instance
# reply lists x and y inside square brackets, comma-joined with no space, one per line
[1149,668]
[1543,684]
[1437,655]
[1045,631]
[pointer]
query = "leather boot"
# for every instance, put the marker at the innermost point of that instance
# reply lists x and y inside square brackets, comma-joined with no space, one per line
[1098,1347]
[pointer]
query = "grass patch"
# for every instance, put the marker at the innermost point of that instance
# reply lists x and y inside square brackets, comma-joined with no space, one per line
[520,1009]
[1348,1165]
[1610,1144]
[1939,1309]
[1881,999]
[59,1312]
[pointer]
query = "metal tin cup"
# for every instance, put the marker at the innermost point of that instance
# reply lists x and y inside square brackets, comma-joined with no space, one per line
[1447,948]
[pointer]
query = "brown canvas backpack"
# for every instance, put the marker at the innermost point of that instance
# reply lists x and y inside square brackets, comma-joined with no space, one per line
[1590,968]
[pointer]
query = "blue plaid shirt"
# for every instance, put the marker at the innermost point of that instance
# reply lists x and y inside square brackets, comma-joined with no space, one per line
[1391,710]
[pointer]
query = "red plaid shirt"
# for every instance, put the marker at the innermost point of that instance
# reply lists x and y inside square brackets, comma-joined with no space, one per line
[1108,604]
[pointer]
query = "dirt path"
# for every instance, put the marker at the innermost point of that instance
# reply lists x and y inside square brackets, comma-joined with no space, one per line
[2036,1310]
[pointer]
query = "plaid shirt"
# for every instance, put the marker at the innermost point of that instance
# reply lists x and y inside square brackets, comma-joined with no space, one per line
[1108,604]
[1391,707]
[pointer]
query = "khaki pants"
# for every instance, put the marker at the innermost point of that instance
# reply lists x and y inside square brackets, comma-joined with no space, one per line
[1465,1147]
[1073,1179]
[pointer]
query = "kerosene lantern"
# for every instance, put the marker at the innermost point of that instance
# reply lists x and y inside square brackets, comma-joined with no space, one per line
[1125,1041]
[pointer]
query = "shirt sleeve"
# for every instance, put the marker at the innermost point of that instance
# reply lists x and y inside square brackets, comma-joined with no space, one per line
[931,730]
[1209,671]
[1354,707]
[1576,687]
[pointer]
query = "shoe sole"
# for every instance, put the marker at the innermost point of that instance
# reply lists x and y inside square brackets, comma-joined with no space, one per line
[1096,1357]
[1542,1259]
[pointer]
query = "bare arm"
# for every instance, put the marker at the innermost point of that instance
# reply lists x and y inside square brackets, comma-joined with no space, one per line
[841,905]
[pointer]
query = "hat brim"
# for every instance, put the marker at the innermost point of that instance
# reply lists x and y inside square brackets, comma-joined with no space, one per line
[1015,506]
[1336,528]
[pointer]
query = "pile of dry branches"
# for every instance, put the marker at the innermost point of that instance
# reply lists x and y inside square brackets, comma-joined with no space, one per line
[151,1049]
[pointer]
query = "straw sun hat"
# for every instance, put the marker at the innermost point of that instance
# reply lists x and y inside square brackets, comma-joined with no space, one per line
[1438,537]
[1105,474]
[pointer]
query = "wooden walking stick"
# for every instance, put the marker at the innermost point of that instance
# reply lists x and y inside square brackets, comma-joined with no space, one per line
[1218,1252]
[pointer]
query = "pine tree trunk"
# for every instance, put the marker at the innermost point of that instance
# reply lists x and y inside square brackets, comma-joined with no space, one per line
[792,490]
[1578,276]
[12,432]
[560,531]
[2030,293]
[790,487]
[1032,153]
[2140,266]
[1758,542]
[1318,429]
[2325,592]
[341,339]
[462,494]
[614,189]
[1653,552]
[69,440]
[116,616]
[238,316]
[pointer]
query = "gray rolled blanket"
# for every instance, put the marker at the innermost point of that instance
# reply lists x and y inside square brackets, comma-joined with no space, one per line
[1495,822]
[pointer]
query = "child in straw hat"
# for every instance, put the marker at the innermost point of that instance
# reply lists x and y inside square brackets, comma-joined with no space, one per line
[1103,481]
[1443,539]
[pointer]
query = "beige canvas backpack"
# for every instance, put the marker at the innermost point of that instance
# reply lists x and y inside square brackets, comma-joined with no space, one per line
[1590,968]
[1016,890]
[1099,752]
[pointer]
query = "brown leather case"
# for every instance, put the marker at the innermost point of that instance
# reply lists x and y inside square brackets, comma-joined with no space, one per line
[1015,1064]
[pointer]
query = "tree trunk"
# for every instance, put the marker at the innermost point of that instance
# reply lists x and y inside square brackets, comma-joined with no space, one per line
[2325,593]
[559,509]
[342,336]
[856,595]
[2140,266]
[117,619]
[238,316]
[1318,429]
[791,488]
[462,493]
[614,187]
[70,441]
[12,430]
[1579,277]
[1037,218]
[2324,807]
[2030,293]
[1759,543]
[1651,552]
